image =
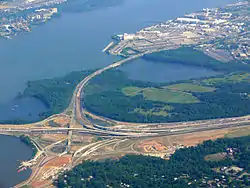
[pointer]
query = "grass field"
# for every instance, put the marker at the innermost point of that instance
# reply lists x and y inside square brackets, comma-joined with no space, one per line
[244,131]
[131,91]
[169,96]
[161,95]
[159,112]
[155,111]
[231,78]
[190,87]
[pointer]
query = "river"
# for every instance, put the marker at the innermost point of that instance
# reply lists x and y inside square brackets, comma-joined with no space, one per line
[162,72]
[12,150]
[74,41]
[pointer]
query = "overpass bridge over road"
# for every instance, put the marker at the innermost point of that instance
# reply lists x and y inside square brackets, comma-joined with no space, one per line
[126,133]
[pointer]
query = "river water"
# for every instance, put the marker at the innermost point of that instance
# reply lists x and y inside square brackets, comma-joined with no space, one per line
[162,72]
[12,150]
[74,41]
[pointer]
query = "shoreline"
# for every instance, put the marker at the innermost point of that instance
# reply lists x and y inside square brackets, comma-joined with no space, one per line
[72,94]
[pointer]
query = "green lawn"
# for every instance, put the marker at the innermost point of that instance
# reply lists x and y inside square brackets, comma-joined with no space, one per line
[169,96]
[231,78]
[190,87]
[151,112]
[161,95]
[155,111]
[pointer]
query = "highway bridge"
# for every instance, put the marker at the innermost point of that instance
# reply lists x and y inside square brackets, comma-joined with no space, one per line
[126,133]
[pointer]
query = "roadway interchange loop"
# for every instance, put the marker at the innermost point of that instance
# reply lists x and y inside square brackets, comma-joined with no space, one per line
[80,124]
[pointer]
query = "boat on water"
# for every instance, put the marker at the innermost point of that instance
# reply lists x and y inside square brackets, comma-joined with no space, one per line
[22,169]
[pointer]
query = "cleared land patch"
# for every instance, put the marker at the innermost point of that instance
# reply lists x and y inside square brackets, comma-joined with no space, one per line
[238,132]
[154,111]
[216,156]
[190,87]
[131,91]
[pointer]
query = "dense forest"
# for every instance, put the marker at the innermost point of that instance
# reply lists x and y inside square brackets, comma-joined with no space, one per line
[55,93]
[28,142]
[104,96]
[187,167]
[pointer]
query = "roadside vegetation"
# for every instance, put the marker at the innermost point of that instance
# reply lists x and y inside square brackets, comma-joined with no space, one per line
[224,162]
[28,142]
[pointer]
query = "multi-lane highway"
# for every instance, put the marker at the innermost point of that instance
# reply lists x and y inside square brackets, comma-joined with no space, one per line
[137,130]
[134,133]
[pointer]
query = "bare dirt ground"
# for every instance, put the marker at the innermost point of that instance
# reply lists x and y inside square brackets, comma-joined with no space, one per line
[216,156]
[58,162]
[53,137]
[59,121]
[63,121]
[39,183]
[163,147]
[152,146]
[4,6]
[237,132]
[169,144]
[82,139]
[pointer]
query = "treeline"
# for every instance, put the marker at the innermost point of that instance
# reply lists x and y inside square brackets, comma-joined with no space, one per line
[104,97]
[29,143]
[187,167]
[190,56]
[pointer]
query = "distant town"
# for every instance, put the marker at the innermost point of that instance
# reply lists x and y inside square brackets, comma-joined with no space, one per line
[222,33]
[20,17]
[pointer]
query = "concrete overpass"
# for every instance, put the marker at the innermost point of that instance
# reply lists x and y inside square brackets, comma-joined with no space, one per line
[125,134]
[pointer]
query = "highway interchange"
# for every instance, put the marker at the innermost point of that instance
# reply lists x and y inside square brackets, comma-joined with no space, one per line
[80,124]
[119,132]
